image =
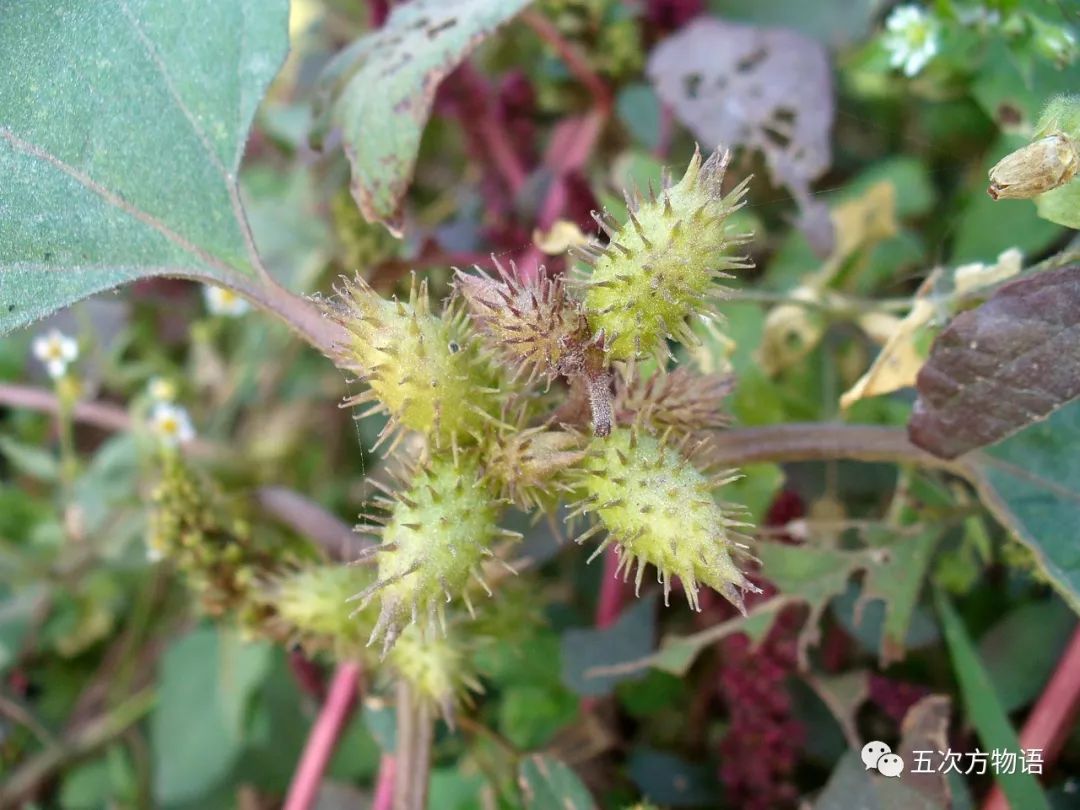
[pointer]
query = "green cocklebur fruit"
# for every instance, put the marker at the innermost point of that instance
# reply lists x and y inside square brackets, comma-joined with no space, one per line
[439,670]
[439,530]
[428,373]
[663,264]
[659,509]
[310,608]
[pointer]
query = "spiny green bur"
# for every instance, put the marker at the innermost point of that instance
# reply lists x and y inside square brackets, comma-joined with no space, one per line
[438,669]
[659,510]
[434,540]
[426,372]
[311,608]
[662,265]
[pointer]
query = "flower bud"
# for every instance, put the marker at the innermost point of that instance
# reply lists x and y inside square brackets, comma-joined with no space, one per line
[1038,167]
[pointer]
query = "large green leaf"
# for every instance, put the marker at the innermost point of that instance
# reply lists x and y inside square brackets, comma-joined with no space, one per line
[1031,482]
[197,729]
[382,87]
[548,784]
[122,125]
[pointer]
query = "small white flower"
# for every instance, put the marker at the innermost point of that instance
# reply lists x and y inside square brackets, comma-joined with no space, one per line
[171,424]
[161,390]
[154,554]
[911,39]
[56,351]
[224,302]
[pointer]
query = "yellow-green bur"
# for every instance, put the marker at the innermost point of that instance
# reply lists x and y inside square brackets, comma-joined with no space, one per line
[426,372]
[439,669]
[662,265]
[660,511]
[311,607]
[438,532]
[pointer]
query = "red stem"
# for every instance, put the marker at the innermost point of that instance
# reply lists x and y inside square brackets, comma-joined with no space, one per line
[1051,721]
[571,145]
[384,787]
[307,674]
[575,60]
[500,146]
[323,738]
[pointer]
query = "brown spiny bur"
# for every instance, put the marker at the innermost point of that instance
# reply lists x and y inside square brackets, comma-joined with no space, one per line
[529,465]
[683,401]
[533,323]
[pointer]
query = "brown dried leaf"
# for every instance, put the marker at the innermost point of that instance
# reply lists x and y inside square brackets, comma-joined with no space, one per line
[762,88]
[998,368]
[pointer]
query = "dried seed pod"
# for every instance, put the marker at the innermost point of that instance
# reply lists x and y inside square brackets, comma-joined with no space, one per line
[659,510]
[439,530]
[426,372]
[530,465]
[1040,166]
[683,401]
[663,264]
[534,323]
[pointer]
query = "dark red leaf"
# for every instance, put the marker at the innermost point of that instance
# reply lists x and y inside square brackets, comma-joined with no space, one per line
[998,368]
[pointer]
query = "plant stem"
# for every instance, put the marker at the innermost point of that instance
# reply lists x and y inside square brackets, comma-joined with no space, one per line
[575,60]
[1052,718]
[83,741]
[415,727]
[384,785]
[335,713]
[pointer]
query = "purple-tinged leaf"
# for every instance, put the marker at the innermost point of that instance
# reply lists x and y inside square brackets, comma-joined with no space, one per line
[998,368]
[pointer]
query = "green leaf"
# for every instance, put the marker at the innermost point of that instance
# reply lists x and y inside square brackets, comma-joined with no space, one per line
[196,728]
[382,87]
[1061,205]
[1021,650]
[121,129]
[671,781]
[30,460]
[629,638]
[852,785]
[548,784]
[984,710]
[1031,483]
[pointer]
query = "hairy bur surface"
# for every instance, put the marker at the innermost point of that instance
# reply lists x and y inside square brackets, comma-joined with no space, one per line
[663,264]
[426,372]
[437,534]
[659,510]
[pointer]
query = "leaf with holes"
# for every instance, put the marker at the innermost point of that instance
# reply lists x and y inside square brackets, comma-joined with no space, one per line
[998,368]
[379,91]
[121,129]
[761,88]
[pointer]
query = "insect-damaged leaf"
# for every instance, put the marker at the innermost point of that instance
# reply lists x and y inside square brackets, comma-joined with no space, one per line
[379,91]
[121,128]
[998,368]
[762,88]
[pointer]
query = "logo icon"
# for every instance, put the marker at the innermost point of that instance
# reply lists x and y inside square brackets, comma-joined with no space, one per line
[878,756]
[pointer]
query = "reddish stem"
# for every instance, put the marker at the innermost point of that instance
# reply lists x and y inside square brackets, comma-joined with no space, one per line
[488,126]
[384,787]
[307,674]
[571,145]
[323,738]
[575,60]
[1051,721]
[379,10]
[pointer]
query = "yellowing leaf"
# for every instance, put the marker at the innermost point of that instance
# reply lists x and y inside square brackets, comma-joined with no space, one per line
[559,238]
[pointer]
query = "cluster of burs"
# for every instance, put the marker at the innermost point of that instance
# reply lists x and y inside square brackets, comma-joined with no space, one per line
[537,393]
